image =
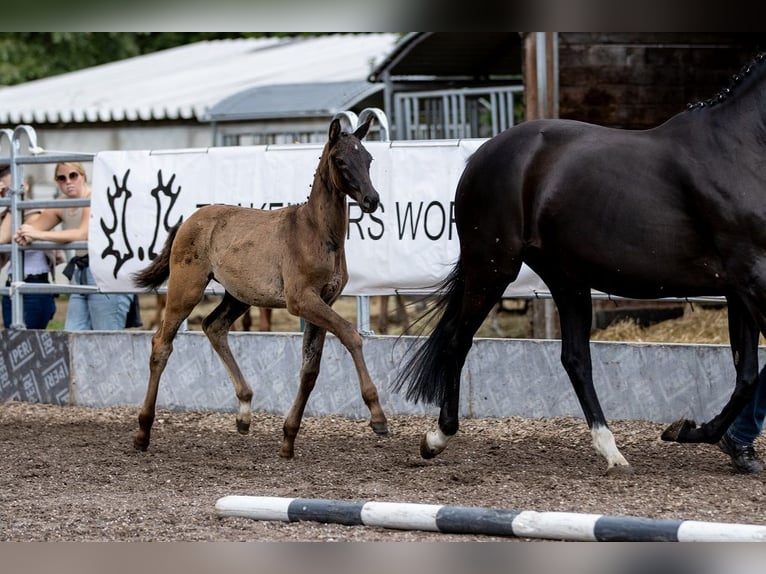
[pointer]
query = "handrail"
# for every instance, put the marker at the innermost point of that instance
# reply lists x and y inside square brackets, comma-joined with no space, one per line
[17,204]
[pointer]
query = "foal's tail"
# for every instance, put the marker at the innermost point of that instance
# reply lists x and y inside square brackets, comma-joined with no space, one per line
[158,271]
[433,365]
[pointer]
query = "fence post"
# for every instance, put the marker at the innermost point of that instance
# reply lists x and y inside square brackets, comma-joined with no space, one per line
[16,195]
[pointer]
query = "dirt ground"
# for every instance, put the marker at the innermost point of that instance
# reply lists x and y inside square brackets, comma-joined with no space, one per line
[72,474]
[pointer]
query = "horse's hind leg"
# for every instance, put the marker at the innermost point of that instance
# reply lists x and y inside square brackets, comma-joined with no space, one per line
[465,313]
[743,338]
[181,300]
[216,326]
[314,310]
[575,308]
[313,345]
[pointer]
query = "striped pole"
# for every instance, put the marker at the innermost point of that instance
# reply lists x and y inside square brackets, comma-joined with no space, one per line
[487,521]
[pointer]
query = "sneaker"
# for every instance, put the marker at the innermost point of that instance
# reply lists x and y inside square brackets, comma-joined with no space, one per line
[743,458]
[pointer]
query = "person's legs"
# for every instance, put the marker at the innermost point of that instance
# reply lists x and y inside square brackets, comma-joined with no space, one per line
[747,426]
[6,311]
[739,438]
[77,314]
[108,311]
[99,311]
[38,310]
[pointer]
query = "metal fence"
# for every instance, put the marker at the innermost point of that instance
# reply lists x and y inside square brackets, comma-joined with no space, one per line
[457,113]
[14,199]
[18,156]
[35,154]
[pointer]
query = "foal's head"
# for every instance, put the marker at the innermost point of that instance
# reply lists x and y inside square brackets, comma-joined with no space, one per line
[348,163]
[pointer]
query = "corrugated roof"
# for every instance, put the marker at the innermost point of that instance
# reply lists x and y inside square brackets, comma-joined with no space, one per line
[292,100]
[183,82]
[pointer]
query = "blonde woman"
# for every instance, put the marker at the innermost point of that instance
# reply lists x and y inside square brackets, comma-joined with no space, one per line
[85,311]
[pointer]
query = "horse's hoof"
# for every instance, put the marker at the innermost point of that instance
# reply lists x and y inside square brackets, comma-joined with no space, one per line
[425,450]
[140,444]
[243,428]
[619,470]
[380,429]
[677,431]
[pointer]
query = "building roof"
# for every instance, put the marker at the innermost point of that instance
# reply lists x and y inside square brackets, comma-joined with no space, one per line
[292,100]
[184,82]
[431,55]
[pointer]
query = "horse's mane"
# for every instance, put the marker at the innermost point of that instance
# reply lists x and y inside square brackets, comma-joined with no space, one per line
[735,81]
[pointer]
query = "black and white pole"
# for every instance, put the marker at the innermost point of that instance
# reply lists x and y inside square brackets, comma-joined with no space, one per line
[487,521]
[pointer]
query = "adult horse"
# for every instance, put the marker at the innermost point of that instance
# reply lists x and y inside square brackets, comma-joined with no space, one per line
[292,257]
[674,211]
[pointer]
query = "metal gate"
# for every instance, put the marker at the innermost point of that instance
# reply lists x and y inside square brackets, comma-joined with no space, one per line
[455,114]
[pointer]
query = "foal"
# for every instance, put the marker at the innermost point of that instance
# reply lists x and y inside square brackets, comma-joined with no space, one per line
[292,257]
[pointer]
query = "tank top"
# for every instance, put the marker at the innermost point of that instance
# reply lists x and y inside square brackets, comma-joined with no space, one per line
[35,262]
[71,218]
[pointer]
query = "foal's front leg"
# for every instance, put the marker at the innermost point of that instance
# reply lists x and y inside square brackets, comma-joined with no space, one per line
[313,345]
[314,310]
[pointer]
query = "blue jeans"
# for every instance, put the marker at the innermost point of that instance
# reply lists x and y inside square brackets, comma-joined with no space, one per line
[96,311]
[38,309]
[748,424]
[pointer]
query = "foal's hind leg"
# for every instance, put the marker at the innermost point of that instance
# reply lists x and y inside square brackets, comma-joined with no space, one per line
[181,300]
[313,345]
[575,309]
[314,310]
[216,326]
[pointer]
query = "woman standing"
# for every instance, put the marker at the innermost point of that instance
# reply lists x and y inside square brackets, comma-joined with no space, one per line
[85,311]
[38,308]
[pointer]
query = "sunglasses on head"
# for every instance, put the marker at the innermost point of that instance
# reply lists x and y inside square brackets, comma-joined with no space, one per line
[73,175]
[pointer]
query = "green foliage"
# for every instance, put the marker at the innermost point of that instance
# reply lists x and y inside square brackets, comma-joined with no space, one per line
[26,56]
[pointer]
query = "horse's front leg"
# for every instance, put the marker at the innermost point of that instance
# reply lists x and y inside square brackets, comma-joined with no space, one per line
[313,344]
[162,347]
[743,338]
[575,315]
[314,310]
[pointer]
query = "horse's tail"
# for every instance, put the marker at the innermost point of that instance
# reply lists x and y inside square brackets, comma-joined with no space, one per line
[158,271]
[433,365]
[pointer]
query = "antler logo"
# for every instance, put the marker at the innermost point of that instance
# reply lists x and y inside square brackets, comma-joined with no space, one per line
[119,243]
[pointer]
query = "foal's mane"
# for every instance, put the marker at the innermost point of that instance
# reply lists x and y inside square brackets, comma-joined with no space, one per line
[735,81]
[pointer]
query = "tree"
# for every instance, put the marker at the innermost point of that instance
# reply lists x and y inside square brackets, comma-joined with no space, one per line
[26,56]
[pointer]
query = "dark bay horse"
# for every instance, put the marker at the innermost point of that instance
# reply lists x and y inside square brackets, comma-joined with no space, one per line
[674,211]
[292,257]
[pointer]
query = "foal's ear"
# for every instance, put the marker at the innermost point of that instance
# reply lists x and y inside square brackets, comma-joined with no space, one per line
[362,130]
[334,130]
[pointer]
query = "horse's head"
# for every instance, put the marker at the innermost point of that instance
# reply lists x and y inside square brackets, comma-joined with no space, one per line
[349,165]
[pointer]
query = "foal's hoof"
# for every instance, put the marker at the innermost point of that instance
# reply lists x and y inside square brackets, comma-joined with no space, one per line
[286,452]
[619,470]
[141,442]
[380,429]
[678,431]
[243,427]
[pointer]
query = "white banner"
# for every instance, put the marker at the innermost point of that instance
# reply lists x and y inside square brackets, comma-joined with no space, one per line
[408,245]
